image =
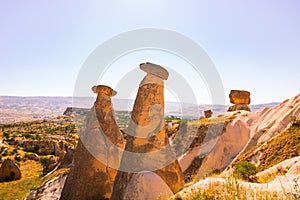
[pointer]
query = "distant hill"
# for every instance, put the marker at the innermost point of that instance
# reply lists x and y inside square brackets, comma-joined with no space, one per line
[14,108]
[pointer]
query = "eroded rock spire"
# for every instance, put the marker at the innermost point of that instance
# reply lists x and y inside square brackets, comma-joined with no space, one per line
[146,134]
[91,176]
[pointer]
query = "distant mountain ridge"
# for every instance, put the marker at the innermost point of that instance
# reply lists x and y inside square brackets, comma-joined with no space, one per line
[16,108]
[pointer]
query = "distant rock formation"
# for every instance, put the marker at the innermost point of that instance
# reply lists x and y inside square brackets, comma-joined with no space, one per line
[34,156]
[239,107]
[73,110]
[89,178]
[208,113]
[240,99]
[50,165]
[43,147]
[145,134]
[9,171]
[3,151]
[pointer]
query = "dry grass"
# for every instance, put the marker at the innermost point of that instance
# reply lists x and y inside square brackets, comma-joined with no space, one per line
[283,146]
[233,190]
[208,121]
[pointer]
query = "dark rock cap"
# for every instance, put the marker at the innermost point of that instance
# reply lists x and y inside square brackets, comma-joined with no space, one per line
[104,90]
[155,69]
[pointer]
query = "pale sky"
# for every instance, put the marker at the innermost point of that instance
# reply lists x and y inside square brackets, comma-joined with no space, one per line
[255,45]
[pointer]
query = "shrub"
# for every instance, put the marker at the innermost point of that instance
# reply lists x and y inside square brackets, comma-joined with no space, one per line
[5,153]
[17,158]
[34,187]
[38,137]
[295,120]
[216,171]
[44,161]
[245,171]
[17,163]
[26,155]
[6,135]
[28,136]
[15,150]
[36,148]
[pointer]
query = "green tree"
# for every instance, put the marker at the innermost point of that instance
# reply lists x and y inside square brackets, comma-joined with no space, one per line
[245,170]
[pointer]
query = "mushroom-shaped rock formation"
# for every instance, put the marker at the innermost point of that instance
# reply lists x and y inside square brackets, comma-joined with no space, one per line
[208,113]
[155,69]
[91,175]
[103,89]
[240,99]
[146,135]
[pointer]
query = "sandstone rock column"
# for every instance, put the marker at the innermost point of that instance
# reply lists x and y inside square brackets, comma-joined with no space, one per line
[89,177]
[146,133]
[240,99]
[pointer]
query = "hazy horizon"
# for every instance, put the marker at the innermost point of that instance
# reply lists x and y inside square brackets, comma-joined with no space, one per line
[254,45]
[113,98]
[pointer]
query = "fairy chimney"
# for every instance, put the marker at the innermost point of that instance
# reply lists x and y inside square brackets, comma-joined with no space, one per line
[146,134]
[91,176]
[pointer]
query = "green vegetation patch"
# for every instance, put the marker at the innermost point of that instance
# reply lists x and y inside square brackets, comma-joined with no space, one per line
[245,171]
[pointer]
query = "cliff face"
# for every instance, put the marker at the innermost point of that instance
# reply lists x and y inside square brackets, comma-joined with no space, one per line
[233,139]
[265,124]
[268,139]
[244,131]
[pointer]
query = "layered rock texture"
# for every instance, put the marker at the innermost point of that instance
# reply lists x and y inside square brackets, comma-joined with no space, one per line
[242,133]
[91,176]
[46,147]
[9,171]
[50,190]
[232,140]
[145,136]
[240,99]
